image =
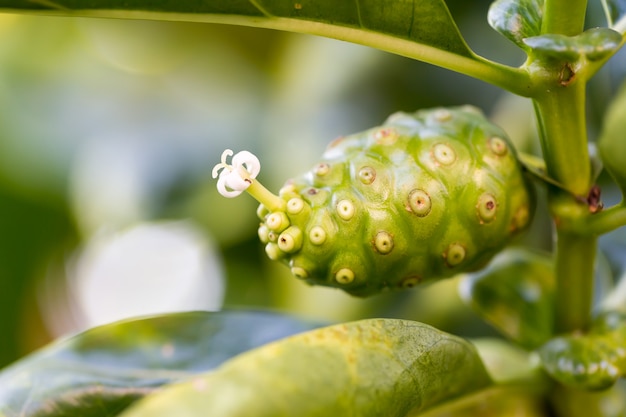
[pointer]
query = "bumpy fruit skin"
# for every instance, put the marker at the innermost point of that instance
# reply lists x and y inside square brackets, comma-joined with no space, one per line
[426,195]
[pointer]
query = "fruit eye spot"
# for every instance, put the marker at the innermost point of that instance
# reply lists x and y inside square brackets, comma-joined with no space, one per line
[312,191]
[444,154]
[420,202]
[277,221]
[498,146]
[287,189]
[262,211]
[367,175]
[264,233]
[299,273]
[410,282]
[285,243]
[272,251]
[290,240]
[486,207]
[321,169]
[295,205]
[317,235]
[386,136]
[455,254]
[345,209]
[383,242]
[344,276]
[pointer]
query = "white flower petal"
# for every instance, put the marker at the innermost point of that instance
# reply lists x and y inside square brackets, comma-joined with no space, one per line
[221,188]
[234,181]
[222,165]
[249,160]
[235,178]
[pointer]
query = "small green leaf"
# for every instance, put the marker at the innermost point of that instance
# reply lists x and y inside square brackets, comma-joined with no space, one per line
[593,361]
[515,294]
[366,368]
[572,402]
[612,143]
[103,370]
[536,167]
[516,19]
[594,44]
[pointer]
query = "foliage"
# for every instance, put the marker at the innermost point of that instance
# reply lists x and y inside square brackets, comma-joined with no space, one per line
[558,311]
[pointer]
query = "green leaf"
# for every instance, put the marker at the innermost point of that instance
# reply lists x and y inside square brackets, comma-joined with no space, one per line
[594,44]
[606,403]
[103,370]
[426,22]
[593,361]
[611,144]
[419,29]
[515,294]
[516,19]
[496,401]
[372,367]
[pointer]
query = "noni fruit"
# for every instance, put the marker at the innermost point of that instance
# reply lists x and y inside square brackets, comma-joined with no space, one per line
[426,195]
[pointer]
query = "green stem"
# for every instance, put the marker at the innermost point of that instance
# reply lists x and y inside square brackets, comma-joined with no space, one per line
[598,224]
[575,259]
[561,115]
[560,108]
[565,17]
[265,197]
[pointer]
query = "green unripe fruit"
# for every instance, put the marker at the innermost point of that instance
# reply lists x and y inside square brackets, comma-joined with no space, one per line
[424,196]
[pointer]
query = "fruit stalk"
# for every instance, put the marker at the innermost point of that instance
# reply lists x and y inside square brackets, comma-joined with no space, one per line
[566,17]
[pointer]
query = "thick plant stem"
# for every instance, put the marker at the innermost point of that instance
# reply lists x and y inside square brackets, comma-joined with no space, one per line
[565,17]
[560,112]
[574,270]
[561,115]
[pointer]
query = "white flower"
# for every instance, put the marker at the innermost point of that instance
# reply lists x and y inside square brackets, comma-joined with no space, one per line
[236,178]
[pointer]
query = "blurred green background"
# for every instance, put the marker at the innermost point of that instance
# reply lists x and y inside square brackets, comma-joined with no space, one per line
[108,134]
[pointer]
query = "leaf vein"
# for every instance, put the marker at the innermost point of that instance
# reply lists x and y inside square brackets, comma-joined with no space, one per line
[50,4]
[412,23]
[256,4]
[358,12]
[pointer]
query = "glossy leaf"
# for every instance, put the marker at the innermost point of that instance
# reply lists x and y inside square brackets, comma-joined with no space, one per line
[606,403]
[515,294]
[516,19]
[594,44]
[426,22]
[103,370]
[611,143]
[593,361]
[520,385]
[366,368]
[418,29]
